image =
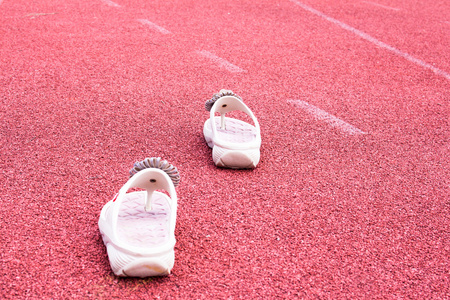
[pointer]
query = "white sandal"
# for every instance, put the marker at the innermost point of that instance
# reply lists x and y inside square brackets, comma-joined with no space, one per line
[235,143]
[138,227]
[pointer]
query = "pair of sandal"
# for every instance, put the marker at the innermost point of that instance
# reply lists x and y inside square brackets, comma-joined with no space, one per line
[138,227]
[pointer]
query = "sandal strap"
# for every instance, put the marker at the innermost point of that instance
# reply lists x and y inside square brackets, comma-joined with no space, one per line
[156,162]
[162,175]
[209,104]
[227,103]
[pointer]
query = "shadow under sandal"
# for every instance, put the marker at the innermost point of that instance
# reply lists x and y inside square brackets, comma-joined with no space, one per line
[138,228]
[235,143]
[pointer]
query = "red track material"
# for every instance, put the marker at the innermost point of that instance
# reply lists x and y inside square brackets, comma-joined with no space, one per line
[86,90]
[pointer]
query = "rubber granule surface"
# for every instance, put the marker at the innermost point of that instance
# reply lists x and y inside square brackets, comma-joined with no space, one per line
[87,88]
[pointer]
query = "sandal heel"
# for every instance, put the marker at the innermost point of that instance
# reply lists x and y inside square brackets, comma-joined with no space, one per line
[235,159]
[128,265]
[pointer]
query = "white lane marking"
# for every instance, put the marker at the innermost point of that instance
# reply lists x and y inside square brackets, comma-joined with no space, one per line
[154,26]
[35,15]
[331,120]
[374,40]
[382,6]
[220,61]
[110,3]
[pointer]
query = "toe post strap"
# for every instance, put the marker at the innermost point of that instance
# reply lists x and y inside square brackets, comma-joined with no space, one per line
[157,169]
[152,174]
[223,102]
[226,101]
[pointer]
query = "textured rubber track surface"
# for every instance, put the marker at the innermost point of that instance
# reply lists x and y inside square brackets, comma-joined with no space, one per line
[88,87]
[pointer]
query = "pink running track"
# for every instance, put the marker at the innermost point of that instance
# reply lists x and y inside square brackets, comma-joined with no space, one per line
[88,87]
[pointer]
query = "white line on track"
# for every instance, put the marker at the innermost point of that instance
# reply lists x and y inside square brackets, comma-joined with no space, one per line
[110,3]
[331,120]
[382,6]
[220,61]
[373,40]
[154,26]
